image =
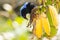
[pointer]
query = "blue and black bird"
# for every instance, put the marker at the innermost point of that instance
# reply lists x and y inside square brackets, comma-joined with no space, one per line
[26,8]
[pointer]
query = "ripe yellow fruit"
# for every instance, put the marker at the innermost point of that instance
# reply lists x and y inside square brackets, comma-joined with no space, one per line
[38,28]
[53,12]
[45,24]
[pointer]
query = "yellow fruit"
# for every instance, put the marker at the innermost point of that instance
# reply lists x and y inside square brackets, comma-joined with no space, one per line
[45,24]
[54,14]
[38,28]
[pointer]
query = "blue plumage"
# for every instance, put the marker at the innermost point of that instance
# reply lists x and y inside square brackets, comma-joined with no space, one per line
[26,8]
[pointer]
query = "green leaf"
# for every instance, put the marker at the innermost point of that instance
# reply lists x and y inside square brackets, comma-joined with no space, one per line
[49,17]
[53,31]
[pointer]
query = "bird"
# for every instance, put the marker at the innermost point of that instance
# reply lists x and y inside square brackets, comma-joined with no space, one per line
[26,9]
